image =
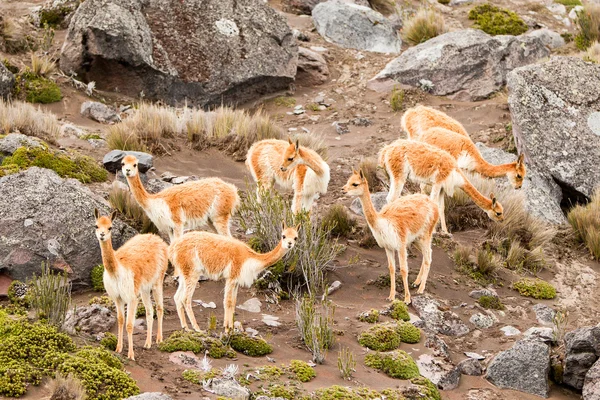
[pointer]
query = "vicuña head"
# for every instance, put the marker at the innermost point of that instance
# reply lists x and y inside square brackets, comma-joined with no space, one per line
[129,166]
[495,213]
[357,184]
[104,225]
[289,236]
[516,177]
[291,158]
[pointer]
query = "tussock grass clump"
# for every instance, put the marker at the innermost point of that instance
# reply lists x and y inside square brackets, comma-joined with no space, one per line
[487,262]
[386,7]
[424,25]
[315,323]
[588,21]
[42,65]
[338,218]
[536,288]
[346,363]
[592,54]
[497,21]
[490,302]
[51,296]
[585,221]
[130,211]
[28,120]
[397,364]
[369,168]
[13,38]
[66,388]
[397,99]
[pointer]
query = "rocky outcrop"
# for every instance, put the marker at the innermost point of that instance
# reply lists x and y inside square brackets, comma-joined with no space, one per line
[551,39]
[11,142]
[465,65]
[355,27]
[203,51]
[306,6]
[92,320]
[591,385]
[7,82]
[439,371]
[49,219]
[436,320]
[112,160]
[99,112]
[378,199]
[582,349]
[228,388]
[555,110]
[524,367]
[312,68]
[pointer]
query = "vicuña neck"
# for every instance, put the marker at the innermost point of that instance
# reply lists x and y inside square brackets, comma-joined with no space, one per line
[368,208]
[138,190]
[108,256]
[490,170]
[312,160]
[270,258]
[482,202]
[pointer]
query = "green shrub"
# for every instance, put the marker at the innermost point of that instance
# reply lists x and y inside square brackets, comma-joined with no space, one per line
[397,364]
[97,277]
[497,21]
[19,294]
[250,346]
[424,25]
[197,376]
[370,317]
[445,2]
[585,221]
[337,219]
[399,311]
[275,390]
[196,342]
[303,371]
[427,388]
[109,341]
[104,301]
[396,101]
[588,21]
[536,288]
[315,325]
[569,3]
[54,17]
[490,302]
[382,337]
[285,101]
[408,333]
[38,89]
[51,296]
[66,165]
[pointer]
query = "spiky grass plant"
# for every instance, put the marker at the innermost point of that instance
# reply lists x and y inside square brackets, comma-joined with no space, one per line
[338,218]
[29,120]
[130,211]
[346,363]
[588,21]
[592,54]
[66,388]
[397,99]
[42,65]
[51,296]
[585,221]
[424,25]
[315,323]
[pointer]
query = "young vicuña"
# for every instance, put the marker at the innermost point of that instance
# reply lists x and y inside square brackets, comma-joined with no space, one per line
[135,269]
[187,206]
[415,121]
[396,226]
[220,257]
[427,164]
[469,158]
[291,166]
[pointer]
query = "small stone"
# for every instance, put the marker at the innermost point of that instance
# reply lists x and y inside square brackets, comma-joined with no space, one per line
[252,305]
[28,222]
[270,320]
[482,321]
[99,112]
[510,331]
[167,176]
[340,128]
[544,314]
[443,374]
[544,334]
[475,356]
[471,367]
[185,359]
[439,347]
[476,294]
[336,285]
[319,49]
[252,332]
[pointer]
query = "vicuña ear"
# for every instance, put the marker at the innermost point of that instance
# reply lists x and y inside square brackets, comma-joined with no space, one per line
[297,227]
[113,215]
[362,175]
[297,144]
[96,213]
[354,171]
[289,140]
[494,201]
[520,159]
[283,225]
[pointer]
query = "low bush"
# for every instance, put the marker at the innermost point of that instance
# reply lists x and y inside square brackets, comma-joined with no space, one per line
[97,278]
[490,302]
[370,317]
[19,294]
[536,288]
[397,364]
[315,324]
[37,89]
[51,296]
[338,220]
[303,371]
[399,311]
[424,25]
[497,21]
[109,341]
[588,21]
[250,346]
[198,376]
[382,337]
[585,221]
[408,333]
[396,101]
[197,342]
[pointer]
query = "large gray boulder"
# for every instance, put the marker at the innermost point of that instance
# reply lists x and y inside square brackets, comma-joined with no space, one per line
[591,385]
[355,27]
[464,65]
[49,219]
[378,199]
[306,6]
[436,320]
[203,51]
[524,367]
[7,82]
[312,68]
[582,350]
[555,109]
[551,39]
[11,142]
[439,371]
[542,196]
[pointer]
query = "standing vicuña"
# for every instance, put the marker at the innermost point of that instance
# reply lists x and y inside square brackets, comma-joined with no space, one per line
[187,206]
[417,120]
[469,158]
[218,257]
[292,166]
[396,226]
[428,164]
[135,269]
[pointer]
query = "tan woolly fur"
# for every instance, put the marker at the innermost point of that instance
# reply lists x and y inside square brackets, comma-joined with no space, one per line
[415,121]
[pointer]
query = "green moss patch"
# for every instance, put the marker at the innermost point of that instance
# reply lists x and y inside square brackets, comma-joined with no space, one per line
[19,294]
[408,333]
[196,342]
[196,376]
[361,393]
[109,341]
[303,371]
[399,311]
[428,390]
[54,17]
[397,364]
[490,302]
[370,317]
[275,390]
[536,288]
[382,337]
[66,165]
[250,346]
[497,21]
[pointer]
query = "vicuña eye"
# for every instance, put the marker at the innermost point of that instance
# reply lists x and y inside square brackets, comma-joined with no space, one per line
[134,165]
[110,228]
[122,164]
[295,239]
[355,184]
[291,159]
[498,213]
[96,226]
[519,176]
[283,236]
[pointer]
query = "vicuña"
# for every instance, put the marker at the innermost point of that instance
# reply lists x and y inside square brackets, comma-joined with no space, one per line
[415,121]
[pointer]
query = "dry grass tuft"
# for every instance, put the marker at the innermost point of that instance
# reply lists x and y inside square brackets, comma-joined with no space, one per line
[22,117]
[42,66]
[369,168]
[13,38]
[592,54]
[338,220]
[66,388]
[130,211]
[588,21]
[385,7]
[424,25]
[585,221]
[397,99]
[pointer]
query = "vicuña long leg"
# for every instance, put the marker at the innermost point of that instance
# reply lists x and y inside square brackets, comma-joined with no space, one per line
[120,306]
[392,267]
[179,298]
[147,301]
[228,305]
[157,293]
[425,264]
[131,310]
[403,258]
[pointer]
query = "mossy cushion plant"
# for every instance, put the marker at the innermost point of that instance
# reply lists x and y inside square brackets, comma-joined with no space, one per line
[196,342]
[428,389]
[408,332]
[66,165]
[536,288]
[281,391]
[109,341]
[250,346]
[396,364]
[491,302]
[497,21]
[196,376]
[303,371]
[382,337]
[370,317]
[97,277]
[399,310]
[18,294]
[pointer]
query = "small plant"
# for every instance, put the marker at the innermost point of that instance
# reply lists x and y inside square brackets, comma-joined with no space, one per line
[303,371]
[487,262]
[588,21]
[196,342]
[338,220]
[197,376]
[130,211]
[18,293]
[408,333]
[559,325]
[42,66]
[346,363]
[313,107]
[369,168]
[536,288]
[382,337]
[103,301]
[212,322]
[490,302]
[66,388]
[397,364]
[37,89]
[250,346]
[399,311]
[51,296]
[285,101]
[370,317]
[497,21]
[397,100]
[444,2]
[97,277]
[109,341]
[592,54]
[315,326]
[462,255]
[569,3]
[424,25]
[585,221]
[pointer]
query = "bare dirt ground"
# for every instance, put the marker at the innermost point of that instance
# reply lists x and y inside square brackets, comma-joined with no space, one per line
[488,121]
